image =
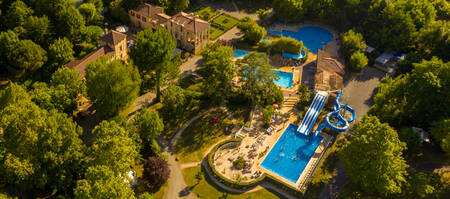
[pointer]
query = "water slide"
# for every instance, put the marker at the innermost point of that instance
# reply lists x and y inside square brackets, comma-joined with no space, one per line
[342,124]
[312,113]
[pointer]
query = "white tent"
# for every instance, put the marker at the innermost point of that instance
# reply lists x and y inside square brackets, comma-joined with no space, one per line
[122,29]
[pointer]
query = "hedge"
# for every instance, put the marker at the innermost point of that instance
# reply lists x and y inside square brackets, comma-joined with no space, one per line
[246,185]
[223,179]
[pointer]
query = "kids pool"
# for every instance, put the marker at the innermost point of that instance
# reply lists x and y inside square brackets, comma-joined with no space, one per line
[290,155]
[285,79]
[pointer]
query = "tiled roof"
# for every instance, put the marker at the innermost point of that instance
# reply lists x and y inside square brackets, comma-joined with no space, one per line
[80,65]
[149,10]
[330,72]
[113,37]
[187,20]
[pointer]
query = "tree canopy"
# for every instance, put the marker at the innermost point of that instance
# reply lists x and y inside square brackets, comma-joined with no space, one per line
[257,78]
[401,101]
[218,72]
[373,158]
[102,183]
[26,128]
[253,32]
[149,124]
[113,147]
[111,85]
[153,54]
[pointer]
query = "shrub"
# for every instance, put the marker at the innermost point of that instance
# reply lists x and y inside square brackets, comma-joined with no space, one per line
[352,42]
[156,171]
[305,94]
[358,61]
[239,163]
[411,138]
[267,114]
[263,46]
[253,32]
[286,44]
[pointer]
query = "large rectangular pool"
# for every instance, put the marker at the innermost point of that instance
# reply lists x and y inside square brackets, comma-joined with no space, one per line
[290,155]
[285,79]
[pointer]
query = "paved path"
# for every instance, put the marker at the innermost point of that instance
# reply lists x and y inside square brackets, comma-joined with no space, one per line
[177,187]
[359,90]
[335,184]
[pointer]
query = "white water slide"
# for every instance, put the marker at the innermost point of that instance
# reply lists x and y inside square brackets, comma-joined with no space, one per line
[312,113]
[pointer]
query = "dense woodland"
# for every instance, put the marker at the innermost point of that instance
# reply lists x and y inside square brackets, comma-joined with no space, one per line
[44,151]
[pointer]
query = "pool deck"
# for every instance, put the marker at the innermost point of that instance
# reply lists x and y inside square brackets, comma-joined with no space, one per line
[272,140]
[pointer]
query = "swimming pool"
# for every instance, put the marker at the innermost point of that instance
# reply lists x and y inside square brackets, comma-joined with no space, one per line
[285,79]
[290,155]
[240,53]
[313,37]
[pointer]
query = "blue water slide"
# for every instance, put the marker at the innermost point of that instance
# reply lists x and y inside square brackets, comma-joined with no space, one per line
[342,124]
[312,114]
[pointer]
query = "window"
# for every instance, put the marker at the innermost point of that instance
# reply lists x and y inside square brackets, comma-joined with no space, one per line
[132,13]
[144,19]
[138,16]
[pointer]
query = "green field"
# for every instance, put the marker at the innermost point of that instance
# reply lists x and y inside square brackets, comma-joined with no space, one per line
[205,189]
[206,13]
[215,33]
[200,136]
[227,22]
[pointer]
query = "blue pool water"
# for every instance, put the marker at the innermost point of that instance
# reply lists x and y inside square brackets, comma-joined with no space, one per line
[285,79]
[240,53]
[313,37]
[290,155]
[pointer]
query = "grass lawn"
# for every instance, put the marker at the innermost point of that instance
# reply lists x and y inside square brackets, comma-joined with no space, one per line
[206,13]
[227,22]
[205,189]
[216,33]
[200,136]
[161,193]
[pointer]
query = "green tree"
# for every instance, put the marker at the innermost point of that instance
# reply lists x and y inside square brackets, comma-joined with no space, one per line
[288,10]
[111,85]
[91,34]
[421,185]
[411,138]
[434,39]
[25,56]
[26,128]
[217,71]
[441,132]
[351,42]
[178,5]
[286,44]
[256,77]
[174,100]
[112,147]
[60,52]
[149,124]
[69,22]
[37,29]
[50,98]
[152,53]
[102,183]
[90,13]
[401,101]
[358,61]
[373,158]
[17,14]
[71,81]
[267,114]
[304,94]
[253,32]
[97,3]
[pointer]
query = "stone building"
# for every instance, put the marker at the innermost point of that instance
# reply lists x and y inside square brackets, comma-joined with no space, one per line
[113,44]
[329,74]
[191,33]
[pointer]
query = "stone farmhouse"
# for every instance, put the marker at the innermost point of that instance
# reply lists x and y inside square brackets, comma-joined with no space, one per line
[191,33]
